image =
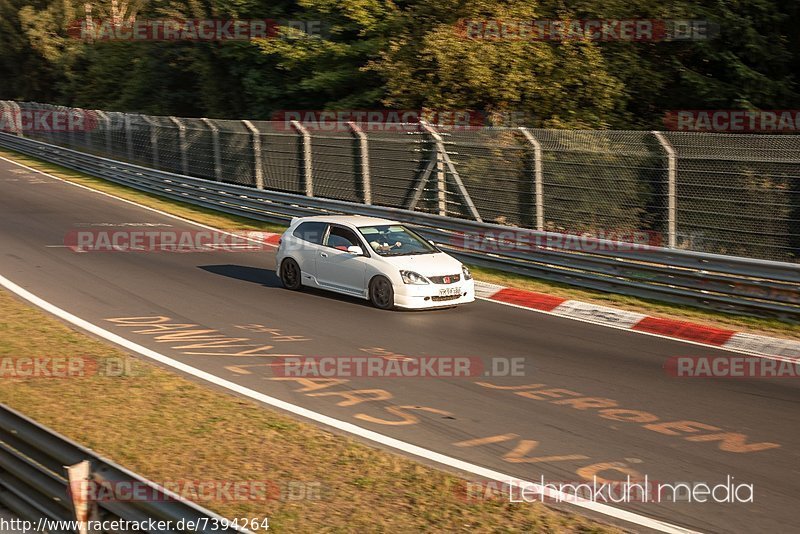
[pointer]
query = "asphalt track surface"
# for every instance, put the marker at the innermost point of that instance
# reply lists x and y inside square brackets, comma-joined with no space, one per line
[238,296]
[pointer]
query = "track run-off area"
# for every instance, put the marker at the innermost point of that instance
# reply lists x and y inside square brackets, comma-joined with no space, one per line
[584,401]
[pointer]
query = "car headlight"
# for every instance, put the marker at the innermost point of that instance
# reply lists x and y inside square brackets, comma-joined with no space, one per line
[410,277]
[467,274]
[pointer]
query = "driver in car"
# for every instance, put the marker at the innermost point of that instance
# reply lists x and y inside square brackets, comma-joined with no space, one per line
[384,247]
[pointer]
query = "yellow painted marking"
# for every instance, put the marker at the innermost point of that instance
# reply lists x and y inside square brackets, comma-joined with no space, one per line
[385,354]
[257,351]
[676,428]
[311,384]
[591,471]
[628,416]
[166,327]
[406,418]
[485,441]
[547,394]
[584,403]
[139,321]
[356,396]
[734,442]
[226,343]
[525,446]
[509,388]
[189,335]
[608,409]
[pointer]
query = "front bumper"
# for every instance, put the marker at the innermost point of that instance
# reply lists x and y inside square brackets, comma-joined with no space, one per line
[428,296]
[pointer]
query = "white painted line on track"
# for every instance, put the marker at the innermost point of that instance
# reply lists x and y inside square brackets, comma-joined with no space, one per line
[350,428]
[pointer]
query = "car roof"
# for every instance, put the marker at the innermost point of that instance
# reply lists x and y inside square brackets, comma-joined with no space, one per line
[355,220]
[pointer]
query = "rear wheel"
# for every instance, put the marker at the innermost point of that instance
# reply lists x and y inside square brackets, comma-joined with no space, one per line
[381,293]
[290,274]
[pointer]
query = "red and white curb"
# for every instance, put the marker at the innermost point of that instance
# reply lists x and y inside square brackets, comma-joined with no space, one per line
[765,346]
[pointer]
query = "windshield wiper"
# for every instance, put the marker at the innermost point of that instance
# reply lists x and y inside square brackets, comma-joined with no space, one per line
[416,253]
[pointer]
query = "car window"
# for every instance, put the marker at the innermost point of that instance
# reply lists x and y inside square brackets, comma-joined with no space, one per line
[313,232]
[395,240]
[340,238]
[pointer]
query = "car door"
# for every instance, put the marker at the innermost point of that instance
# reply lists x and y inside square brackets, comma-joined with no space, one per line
[308,239]
[338,269]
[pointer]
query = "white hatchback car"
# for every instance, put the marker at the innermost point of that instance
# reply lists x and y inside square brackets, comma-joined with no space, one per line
[375,259]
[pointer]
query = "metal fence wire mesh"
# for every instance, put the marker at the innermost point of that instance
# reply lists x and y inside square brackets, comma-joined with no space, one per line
[733,194]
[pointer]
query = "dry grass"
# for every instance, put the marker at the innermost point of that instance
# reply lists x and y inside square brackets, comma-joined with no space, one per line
[168,428]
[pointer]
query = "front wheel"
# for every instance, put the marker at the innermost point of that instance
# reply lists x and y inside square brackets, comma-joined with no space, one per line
[381,293]
[290,274]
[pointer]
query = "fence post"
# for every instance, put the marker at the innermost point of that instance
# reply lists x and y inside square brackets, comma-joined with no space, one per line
[308,176]
[103,115]
[672,177]
[153,140]
[183,146]
[71,131]
[538,180]
[128,136]
[363,153]
[215,144]
[442,160]
[257,161]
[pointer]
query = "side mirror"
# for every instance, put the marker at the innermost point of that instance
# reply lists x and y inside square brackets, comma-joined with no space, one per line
[357,251]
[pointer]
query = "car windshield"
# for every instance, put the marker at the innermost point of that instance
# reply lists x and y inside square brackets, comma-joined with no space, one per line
[395,240]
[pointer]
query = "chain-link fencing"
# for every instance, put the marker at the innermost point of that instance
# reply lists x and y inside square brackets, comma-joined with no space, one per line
[733,194]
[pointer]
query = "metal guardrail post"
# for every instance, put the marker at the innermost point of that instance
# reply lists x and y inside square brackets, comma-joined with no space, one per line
[442,160]
[153,140]
[538,176]
[257,161]
[103,115]
[183,145]
[215,148]
[128,137]
[363,153]
[672,178]
[308,172]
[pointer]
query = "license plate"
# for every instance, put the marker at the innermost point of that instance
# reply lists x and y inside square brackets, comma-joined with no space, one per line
[449,291]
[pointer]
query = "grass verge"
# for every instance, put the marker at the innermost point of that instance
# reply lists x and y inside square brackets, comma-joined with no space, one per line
[170,429]
[754,325]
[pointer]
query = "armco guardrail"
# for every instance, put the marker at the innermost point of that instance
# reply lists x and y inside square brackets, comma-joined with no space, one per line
[727,283]
[34,483]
